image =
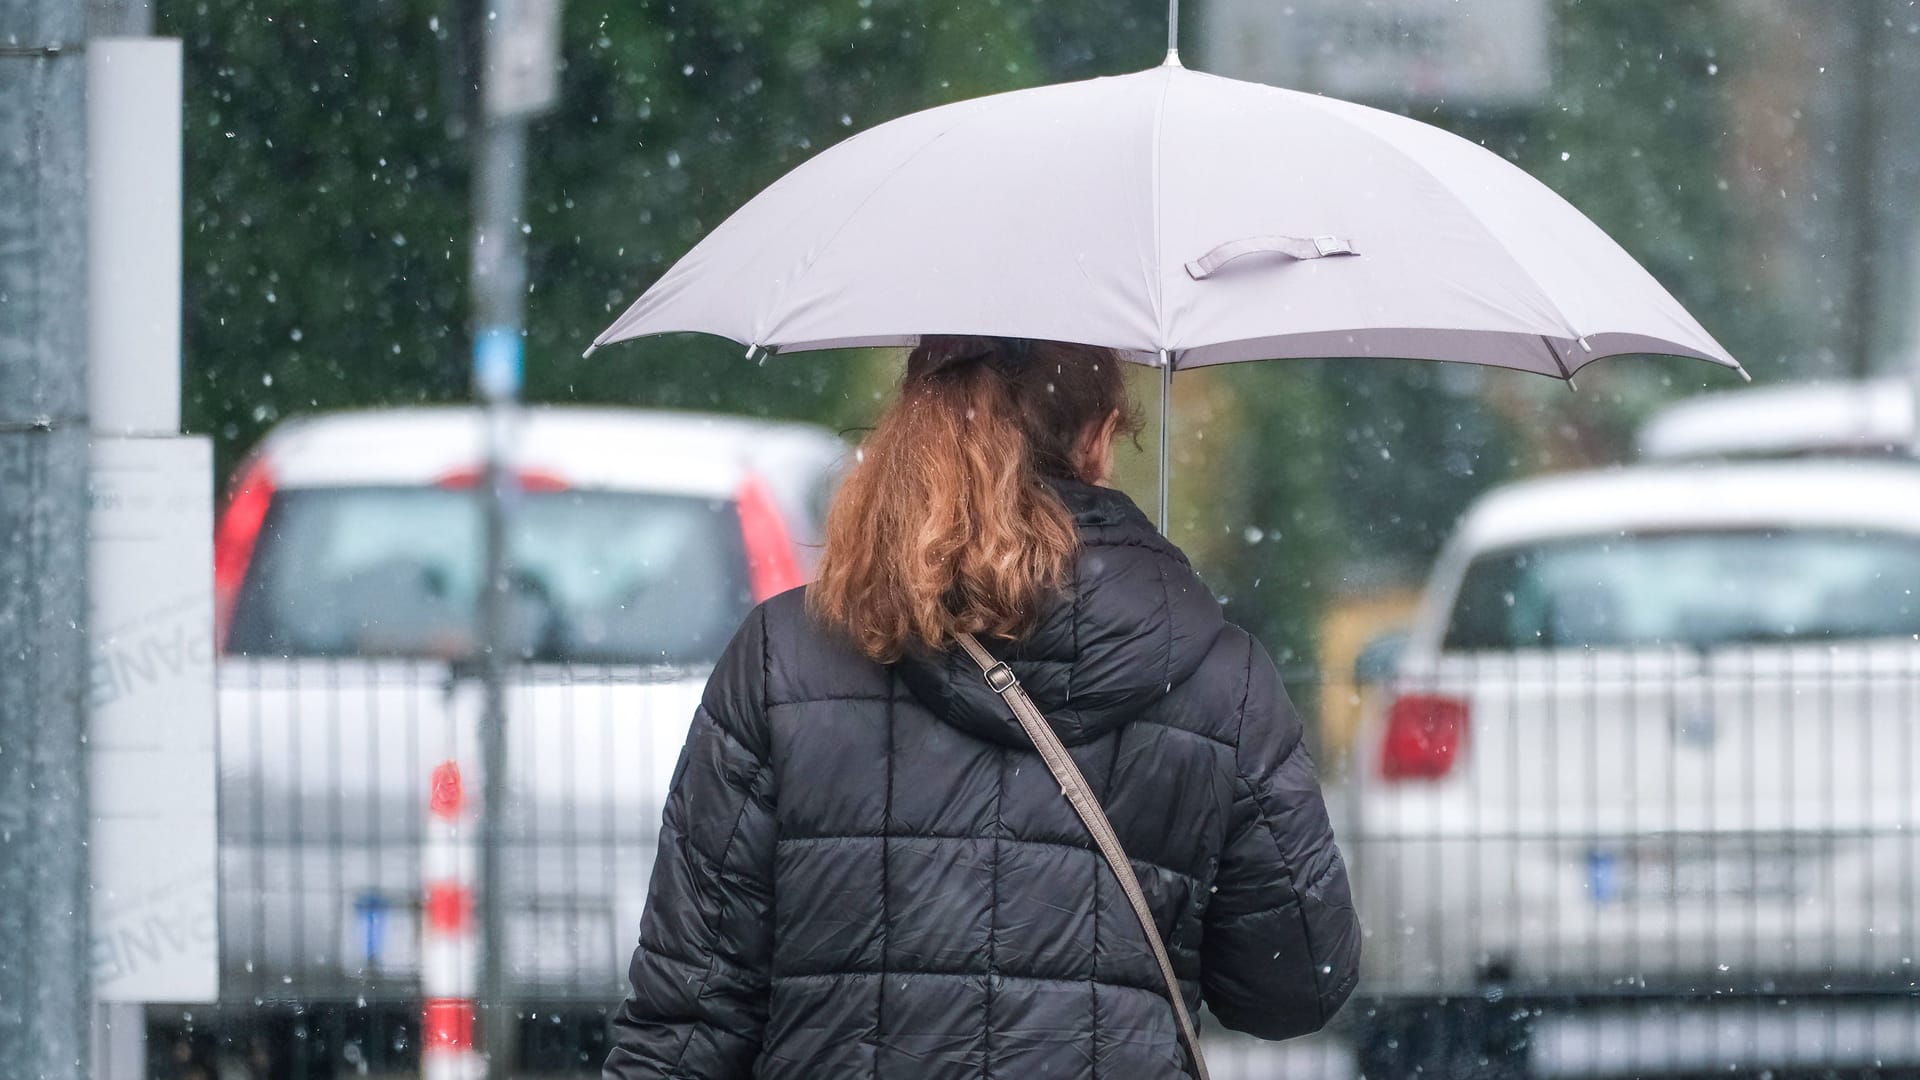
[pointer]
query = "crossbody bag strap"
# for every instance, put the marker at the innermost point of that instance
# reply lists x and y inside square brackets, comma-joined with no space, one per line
[1001,679]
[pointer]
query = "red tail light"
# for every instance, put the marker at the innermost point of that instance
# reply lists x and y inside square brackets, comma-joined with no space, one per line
[530,480]
[772,566]
[1424,732]
[235,538]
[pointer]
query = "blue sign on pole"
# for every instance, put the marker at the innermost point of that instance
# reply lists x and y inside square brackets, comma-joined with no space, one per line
[497,362]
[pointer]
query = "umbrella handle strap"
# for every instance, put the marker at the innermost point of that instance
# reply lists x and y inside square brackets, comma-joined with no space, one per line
[1294,247]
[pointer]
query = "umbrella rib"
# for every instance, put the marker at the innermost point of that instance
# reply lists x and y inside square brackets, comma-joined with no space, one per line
[1167,358]
[1554,352]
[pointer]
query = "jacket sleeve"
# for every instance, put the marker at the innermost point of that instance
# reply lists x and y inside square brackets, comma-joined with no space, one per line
[1281,951]
[700,974]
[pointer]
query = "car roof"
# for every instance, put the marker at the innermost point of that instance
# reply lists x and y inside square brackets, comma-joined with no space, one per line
[1875,416]
[1799,493]
[606,448]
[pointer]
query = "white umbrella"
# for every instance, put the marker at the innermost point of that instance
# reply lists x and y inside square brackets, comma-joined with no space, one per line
[1177,213]
[1182,219]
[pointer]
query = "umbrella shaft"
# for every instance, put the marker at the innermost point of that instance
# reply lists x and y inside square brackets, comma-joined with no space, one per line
[1166,395]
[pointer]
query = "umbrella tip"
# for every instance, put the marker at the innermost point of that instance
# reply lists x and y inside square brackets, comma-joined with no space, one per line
[591,349]
[1742,371]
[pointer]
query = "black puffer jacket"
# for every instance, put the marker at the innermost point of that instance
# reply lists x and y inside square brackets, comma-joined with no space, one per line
[868,872]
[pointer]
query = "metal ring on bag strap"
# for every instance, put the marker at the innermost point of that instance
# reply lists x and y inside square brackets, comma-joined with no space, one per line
[1001,680]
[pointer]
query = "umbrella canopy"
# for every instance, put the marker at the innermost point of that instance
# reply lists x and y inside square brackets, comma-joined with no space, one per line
[1171,214]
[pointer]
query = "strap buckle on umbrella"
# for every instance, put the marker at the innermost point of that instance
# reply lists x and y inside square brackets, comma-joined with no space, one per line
[1293,247]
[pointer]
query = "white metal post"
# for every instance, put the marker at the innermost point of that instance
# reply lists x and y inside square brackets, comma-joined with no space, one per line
[133,240]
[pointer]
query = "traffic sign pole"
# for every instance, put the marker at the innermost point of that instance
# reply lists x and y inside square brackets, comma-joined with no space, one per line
[519,81]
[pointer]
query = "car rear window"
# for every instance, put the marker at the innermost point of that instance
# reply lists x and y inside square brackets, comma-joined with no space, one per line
[596,577]
[1690,588]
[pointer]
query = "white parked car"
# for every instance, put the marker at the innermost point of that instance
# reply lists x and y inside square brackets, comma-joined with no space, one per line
[1654,731]
[1787,420]
[348,570]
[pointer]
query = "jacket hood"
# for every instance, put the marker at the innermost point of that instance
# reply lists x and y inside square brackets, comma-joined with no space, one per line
[1134,622]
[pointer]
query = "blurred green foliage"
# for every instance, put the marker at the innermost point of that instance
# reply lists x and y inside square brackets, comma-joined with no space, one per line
[325,247]
[327,237]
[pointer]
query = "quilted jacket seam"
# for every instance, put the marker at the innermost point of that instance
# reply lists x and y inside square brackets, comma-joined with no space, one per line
[1266,822]
[726,850]
[733,834]
[1093,851]
[1189,731]
[886,890]
[993,917]
[1298,897]
[1158,547]
[1240,714]
[1156,987]
[826,699]
[1166,607]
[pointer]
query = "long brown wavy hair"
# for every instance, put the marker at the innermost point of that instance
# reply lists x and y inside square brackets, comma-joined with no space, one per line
[946,525]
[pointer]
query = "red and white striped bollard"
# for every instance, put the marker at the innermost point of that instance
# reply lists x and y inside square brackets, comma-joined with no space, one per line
[449,948]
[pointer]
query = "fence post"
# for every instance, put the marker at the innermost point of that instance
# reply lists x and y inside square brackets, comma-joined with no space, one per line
[448,950]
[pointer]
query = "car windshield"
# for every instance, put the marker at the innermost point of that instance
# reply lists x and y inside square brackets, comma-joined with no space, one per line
[608,577]
[1693,588]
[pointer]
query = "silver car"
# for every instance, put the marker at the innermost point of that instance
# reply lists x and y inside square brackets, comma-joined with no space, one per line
[348,568]
[1654,733]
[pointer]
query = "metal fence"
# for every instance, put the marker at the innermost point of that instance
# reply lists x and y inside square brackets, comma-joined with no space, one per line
[1642,862]
[1568,863]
